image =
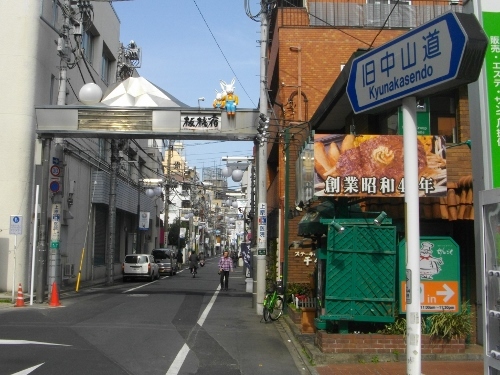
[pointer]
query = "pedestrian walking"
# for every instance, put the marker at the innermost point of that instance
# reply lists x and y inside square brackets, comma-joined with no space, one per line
[193,263]
[234,256]
[180,260]
[225,266]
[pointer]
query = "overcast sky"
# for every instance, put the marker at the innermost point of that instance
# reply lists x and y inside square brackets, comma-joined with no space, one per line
[188,46]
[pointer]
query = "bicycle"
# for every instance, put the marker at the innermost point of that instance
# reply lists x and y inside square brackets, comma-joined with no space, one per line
[273,305]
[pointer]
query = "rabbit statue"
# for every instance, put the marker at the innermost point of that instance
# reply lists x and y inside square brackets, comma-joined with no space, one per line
[218,102]
[230,98]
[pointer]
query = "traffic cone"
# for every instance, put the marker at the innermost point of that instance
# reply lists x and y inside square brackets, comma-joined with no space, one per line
[54,296]
[20,297]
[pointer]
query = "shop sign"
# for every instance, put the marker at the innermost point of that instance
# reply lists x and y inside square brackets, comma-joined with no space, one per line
[439,275]
[372,165]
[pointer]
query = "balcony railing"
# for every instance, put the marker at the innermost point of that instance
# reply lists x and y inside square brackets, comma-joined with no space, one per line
[365,13]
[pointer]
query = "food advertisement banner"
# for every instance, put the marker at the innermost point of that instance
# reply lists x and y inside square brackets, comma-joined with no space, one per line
[372,165]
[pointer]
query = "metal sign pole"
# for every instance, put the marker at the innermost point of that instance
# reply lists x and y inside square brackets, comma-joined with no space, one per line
[33,258]
[413,321]
[14,273]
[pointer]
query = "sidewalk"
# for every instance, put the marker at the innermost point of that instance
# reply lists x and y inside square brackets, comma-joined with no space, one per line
[469,363]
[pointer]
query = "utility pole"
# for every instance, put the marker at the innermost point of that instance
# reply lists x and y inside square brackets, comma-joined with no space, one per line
[42,229]
[262,172]
[53,256]
[110,253]
[167,195]
[127,60]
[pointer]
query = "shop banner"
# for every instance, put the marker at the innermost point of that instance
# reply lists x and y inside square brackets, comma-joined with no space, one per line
[372,165]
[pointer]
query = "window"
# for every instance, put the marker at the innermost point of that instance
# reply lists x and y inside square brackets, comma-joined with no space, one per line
[102,148]
[54,89]
[105,69]
[55,12]
[443,116]
[88,46]
[107,60]
[49,12]
[388,2]
[397,13]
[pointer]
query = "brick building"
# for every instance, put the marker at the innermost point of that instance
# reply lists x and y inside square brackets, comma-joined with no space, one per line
[309,44]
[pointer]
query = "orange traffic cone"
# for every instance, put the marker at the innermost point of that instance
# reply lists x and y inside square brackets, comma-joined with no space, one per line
[20,297]
[54,296]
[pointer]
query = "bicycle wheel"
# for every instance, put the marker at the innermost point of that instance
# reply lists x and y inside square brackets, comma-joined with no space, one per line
[266,314]
[277,310]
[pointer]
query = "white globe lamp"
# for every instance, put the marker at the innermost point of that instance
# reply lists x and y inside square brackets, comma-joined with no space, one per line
[90,94]
[237,175]
[226,171]
[235,204]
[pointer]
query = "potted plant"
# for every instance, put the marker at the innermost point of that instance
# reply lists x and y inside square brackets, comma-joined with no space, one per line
[299,290]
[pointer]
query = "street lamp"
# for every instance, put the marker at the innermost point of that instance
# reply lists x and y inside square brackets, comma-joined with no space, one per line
[235,166]
[151,192]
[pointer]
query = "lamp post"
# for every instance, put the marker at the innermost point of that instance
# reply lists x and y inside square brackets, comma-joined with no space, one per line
[152,191]
[138,237]
[236,166]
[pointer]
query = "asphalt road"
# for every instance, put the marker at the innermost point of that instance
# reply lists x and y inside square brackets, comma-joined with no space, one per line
[175,325]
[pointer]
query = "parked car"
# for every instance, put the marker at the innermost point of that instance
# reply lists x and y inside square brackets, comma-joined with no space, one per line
[140,266]
[166,261]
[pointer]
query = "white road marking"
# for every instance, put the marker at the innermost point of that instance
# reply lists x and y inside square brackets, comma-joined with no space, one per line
[28,370]
[26,342]
[175,367]
[138,287]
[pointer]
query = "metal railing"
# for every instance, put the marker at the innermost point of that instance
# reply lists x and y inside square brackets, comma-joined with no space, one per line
[363,13]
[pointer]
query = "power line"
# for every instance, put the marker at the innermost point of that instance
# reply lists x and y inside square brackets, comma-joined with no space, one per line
[383,26]
[327,23]
[222,52]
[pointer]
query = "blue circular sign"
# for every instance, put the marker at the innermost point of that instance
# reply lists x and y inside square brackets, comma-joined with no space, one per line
[54,186]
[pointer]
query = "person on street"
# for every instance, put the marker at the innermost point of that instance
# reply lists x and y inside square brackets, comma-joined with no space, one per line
[180,259]
[193,263]
[234,256]
[225,266]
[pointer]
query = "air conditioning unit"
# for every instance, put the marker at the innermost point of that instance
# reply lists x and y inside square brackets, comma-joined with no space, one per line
[69,269]
[454,2]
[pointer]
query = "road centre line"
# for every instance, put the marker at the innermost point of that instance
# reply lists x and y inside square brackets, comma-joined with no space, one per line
[181,356]
[138,287]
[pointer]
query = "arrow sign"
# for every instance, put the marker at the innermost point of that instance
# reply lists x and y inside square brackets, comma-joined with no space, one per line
[431,58]
[448,293]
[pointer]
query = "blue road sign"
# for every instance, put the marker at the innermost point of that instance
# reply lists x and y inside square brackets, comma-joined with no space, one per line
[428,56]
[54,186]
[16,224]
